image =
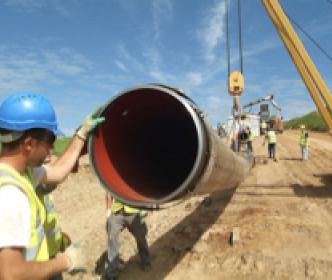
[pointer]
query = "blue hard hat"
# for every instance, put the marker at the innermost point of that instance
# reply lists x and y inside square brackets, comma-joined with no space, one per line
[24,111]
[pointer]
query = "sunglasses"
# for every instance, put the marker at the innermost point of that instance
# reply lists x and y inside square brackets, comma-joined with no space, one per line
[47,137]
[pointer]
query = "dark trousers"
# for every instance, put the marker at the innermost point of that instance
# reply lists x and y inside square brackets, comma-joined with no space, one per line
[115,224]
[272,150]
[249,146]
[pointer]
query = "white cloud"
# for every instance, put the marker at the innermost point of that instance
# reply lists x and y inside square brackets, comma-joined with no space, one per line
[218,108]
[296,108]
[262,46]
[129,59]
[212,31]
[121,65]
[28,6]
[194,78]
[32,6]
[162,11]
[30,68]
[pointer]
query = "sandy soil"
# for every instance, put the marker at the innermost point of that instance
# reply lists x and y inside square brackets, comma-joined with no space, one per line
[283,210]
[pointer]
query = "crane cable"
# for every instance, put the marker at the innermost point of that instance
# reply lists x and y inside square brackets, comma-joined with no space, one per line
[236,123]
[228,39]
[309,37]
[298,53]
[240,34]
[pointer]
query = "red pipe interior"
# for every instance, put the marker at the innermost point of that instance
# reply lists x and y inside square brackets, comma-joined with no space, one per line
[147,145]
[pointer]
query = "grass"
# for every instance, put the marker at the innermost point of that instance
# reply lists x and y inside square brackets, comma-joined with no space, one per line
[60,145]
[312,121]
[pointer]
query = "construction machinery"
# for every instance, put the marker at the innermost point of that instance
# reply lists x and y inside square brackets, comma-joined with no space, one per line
[316,86]
[137,158]
[274,121]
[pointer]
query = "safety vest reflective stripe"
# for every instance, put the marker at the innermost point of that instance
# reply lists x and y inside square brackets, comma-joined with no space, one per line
[37,248]
[271,137]
[117,206]
[51,226]
[31,253]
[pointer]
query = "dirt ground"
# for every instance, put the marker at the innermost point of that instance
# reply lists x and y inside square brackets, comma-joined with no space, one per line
[283,211]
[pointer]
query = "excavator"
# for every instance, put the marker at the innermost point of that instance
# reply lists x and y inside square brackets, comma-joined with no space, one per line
[265,116]
[316,86]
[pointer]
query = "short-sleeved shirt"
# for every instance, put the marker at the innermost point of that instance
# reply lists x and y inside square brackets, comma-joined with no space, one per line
[15,214]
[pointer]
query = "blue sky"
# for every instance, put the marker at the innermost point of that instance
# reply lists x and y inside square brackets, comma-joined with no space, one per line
[80,53]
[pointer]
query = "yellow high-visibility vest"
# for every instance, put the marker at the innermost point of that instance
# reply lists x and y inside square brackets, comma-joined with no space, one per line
[303,138]
[52,227]
[251,137]
[271,137]
[118,205]
[37,249]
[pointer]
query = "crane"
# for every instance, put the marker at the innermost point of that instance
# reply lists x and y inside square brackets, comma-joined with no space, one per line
[264,99]
[275,123]
[316,86]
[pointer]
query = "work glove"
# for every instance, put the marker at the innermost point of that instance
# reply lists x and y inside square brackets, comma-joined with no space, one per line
[142,214]
[90,123]
[77,258]
[65,241]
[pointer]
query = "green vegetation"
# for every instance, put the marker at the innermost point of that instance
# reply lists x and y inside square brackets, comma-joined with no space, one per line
[312,121]
[60,145]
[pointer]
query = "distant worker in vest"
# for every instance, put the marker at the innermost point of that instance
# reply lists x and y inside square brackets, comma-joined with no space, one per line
[122,216]
[271,138]
[251,138]
[304,142]
[263,127]
[221,130]
[28,130]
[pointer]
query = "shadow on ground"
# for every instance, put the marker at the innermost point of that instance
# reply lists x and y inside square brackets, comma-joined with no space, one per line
[169,249]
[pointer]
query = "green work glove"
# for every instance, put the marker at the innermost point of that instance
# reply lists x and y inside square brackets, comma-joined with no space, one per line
[90,123]
[142,214]
[77,258]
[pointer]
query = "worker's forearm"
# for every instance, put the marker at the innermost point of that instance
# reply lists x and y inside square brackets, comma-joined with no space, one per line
[60,169]
[24,270]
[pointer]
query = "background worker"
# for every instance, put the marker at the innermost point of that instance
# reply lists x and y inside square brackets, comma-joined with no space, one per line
[304,142]
[28,129]
[251,138]
[271,138]
[122,216]
[263,127]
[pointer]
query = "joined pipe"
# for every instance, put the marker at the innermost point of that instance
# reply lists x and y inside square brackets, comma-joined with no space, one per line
[155,147]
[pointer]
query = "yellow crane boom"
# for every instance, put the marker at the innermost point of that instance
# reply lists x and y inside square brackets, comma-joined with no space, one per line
[305,66]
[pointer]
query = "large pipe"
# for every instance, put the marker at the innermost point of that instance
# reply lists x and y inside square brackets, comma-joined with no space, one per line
[155,146]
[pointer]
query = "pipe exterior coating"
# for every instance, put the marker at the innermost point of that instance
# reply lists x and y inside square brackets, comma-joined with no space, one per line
[155,147]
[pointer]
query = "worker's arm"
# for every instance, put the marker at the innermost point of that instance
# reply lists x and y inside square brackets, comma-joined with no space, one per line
[56,172]
[13,266]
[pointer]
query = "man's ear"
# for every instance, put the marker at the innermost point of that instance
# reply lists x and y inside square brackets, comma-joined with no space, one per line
[28,143]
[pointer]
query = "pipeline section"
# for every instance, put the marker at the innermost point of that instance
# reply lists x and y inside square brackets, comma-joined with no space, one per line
[155,146]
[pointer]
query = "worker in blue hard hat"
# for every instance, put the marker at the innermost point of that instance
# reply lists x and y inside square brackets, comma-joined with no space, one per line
[28,130]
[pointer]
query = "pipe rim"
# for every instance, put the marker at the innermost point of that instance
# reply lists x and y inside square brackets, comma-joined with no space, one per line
[202,147]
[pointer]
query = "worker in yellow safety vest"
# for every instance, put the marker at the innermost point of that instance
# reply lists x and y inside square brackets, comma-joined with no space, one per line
[28,129]
[120,216]
[263,127]
[271,138]
[251,138]
[304,142]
